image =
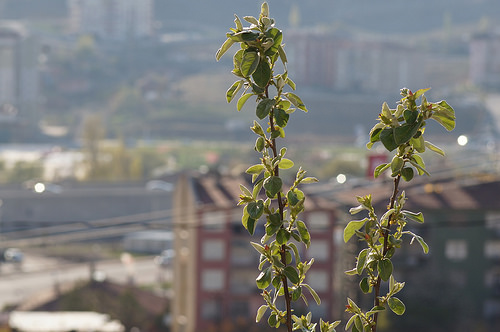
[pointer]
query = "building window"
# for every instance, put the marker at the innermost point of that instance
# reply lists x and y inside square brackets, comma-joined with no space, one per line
[211,309]
[240,309]
[318,220]
[492,249]
[319,250]
[214,221]
[242,253]
[493,221]
[243,281]
[318,280]
[213,250]
[456,249]
[212,280]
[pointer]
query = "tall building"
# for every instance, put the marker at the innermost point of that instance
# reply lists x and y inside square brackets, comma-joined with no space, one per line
[485,60]
[344,64]
[215,266]
[18,73]
[116,20]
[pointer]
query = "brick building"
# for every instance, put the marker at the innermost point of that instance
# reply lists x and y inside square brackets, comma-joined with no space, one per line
[215,265]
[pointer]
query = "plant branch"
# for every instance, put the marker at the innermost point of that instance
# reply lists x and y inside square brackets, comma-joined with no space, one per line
[387,231]
[283,247]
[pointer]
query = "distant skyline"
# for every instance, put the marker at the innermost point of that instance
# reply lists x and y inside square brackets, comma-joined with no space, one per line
[387,16]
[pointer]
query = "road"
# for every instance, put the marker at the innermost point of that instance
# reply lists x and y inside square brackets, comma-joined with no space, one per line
[39,275]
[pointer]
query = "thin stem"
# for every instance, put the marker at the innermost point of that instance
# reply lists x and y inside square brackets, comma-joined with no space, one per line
[283,248]
[386,247]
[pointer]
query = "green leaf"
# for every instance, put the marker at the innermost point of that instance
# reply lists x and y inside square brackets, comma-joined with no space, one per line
[410,116]
[418,217]
[407,173]
[243,99]
[352,227]
[259,248]
[285,163]
[418,143]
[257,129]
[237,22]
[272,185]
[380,169]
[304,233]
[295,100]
[313,293]
[444,115]
[262,74]
[387,139]
[260,144]
[396,305]
[375,132]
[358,324]
[224,48]
[418,162]
[361,261]
[291,273]
[264,107]
[420,92]
[283,58]
[309,179]
[233,90]
[260,312]
[255,169]
[420,240]
[281,117]
[273,320]
[264,278]
[434,148]
[274,224]
[297,292]
[249,63]
[255,209]
[364,285]
[245,191]
[251,20]
[248,223]
[385,269]
[277,36]
[282,236]
[405,132]
[295,251]
[396,164]
[292,197]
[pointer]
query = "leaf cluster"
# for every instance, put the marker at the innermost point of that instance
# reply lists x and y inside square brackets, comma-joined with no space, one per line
[401,130]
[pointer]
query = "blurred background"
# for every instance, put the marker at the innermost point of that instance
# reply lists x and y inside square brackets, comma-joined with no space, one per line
[120,159]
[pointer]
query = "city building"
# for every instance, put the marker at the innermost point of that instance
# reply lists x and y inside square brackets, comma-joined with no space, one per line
[116,20]
[484,60]
[460,276]
[215,266]
[18,75]
[341,63]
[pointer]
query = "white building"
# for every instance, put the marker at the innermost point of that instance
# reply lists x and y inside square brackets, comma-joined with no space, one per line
[18,72]
[116,20]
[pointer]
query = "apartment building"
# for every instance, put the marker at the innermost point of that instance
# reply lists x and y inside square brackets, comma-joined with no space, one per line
[484,67]
[216,267]
[345,64]
[116,20]
[18,73]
